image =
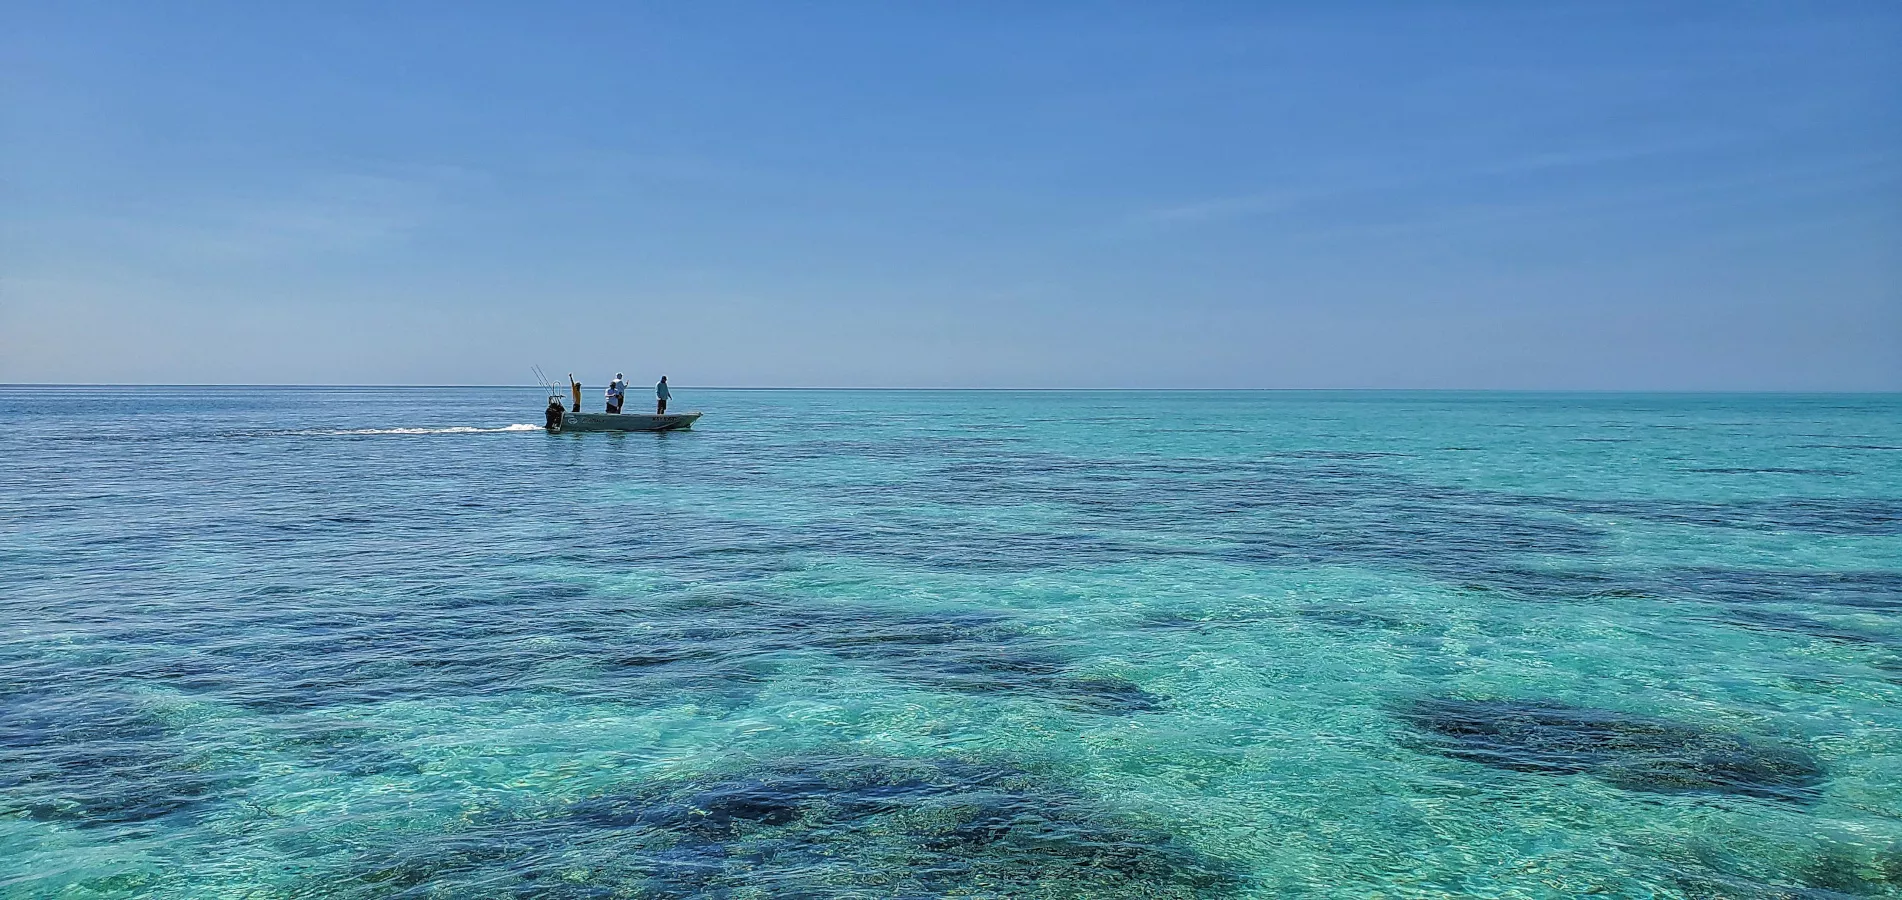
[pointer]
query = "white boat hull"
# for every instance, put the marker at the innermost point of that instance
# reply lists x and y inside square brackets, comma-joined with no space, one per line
[572,421]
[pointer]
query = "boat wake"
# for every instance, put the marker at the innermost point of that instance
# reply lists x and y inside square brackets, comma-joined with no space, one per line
[455,429]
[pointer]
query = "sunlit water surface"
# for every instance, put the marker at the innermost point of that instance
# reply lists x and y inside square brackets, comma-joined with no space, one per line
[379,643]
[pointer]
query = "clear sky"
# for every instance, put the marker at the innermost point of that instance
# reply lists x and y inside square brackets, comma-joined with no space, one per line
[1591,195]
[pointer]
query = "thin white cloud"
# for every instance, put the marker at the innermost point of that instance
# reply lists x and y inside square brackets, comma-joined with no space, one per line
[1230,207]
[312,216]
[1251,204]
[1848,174]
[329,214]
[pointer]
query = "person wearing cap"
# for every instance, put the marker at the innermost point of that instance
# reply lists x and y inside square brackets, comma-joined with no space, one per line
[617,391]
[661,393]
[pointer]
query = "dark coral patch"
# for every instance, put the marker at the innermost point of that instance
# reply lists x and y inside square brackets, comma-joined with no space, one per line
[1808,626]
[718,650]
[96,760]
[1633,752]
[815,828]
[348,749]
[1351,618]
[1867,590]
[972,653]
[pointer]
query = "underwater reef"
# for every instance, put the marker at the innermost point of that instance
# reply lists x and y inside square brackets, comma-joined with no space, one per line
[1636,753]
[807,827]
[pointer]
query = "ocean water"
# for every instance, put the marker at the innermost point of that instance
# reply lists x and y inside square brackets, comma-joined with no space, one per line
[354,643]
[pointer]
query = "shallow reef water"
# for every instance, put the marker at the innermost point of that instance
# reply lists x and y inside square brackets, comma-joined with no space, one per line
[389,642]
[1638,753]
[809,827]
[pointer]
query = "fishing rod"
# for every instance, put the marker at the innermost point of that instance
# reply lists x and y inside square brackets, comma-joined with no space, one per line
[561,392]
[545,381]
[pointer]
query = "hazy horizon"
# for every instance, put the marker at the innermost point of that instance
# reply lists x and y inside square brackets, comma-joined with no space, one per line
[682,386]
[1572,197]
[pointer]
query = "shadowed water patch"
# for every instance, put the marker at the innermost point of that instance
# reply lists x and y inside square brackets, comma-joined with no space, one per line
[375,663]
[343,747]
[1633,752]
[1871,590]
[976,655]
[95,760]
[1792,623]
[1353,619]
[721,651]
[1306,511]
[1435,537]
[979,653]
[1704,886]
[1815,515]
[1879,591]
[1826,871]
[1203,621]
[1849,447]
[1768,470]
[1335,454]
[973,548]
[812,828]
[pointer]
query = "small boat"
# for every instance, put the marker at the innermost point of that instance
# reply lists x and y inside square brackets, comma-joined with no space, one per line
[574,421]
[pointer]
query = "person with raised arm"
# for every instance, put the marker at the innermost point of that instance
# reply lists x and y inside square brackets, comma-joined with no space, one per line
[617,393]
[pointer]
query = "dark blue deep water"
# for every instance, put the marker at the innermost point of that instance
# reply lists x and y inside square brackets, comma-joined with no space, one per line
[354,643]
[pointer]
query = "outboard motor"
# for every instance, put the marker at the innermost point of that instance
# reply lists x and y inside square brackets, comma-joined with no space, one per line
[554,415]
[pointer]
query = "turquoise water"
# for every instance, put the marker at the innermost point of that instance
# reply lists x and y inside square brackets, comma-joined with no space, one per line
[380,643]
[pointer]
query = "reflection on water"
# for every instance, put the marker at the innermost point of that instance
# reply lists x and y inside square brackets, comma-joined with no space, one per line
[380,642]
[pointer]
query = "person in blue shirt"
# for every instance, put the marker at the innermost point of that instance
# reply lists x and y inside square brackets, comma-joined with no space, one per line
[661,393]
[617,392]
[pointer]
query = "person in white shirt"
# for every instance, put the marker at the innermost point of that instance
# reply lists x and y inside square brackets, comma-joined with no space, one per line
[617,392]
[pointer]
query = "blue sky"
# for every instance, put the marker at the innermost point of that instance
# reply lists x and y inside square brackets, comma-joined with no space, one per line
[1586,195]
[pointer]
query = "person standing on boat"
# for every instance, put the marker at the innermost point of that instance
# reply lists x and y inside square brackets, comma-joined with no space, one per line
[661,393]
[617,392]
[575,386]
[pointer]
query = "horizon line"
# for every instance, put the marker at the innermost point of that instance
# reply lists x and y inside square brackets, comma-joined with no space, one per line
[1125,390]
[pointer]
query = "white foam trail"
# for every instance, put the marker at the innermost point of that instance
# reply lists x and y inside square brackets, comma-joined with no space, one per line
[455,429]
